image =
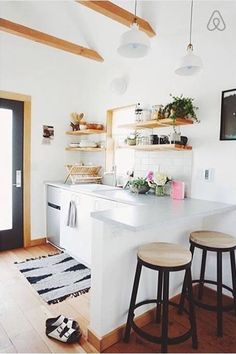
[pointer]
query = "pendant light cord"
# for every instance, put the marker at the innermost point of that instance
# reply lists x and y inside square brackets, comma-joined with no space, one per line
[191,24]
[135,9]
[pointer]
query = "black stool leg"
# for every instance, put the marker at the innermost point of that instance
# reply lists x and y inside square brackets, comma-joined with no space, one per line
[202,274]
[219,296]
[183,293]
[159,296]
[164,329]
[192,316]
[132,302]
[233,271]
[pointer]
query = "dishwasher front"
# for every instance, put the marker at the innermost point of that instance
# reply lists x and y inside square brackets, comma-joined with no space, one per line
[53,215]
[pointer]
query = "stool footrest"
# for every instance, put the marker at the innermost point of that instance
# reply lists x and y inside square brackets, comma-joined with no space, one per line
[156,339]
[212,307]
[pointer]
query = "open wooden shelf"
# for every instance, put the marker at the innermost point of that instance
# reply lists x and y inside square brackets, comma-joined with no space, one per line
[86,132]
[88,149]
[157,147]
[161,123]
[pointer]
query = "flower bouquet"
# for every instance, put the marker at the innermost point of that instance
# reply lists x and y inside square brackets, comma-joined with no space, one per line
[157,181]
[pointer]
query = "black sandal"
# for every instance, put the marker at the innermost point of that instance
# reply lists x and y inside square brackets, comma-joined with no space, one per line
[57,321]
[63,333]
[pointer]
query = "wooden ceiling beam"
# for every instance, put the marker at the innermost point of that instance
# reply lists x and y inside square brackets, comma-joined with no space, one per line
[40,37]
[116,13]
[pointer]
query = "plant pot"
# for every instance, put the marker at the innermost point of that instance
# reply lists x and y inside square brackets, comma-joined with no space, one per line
[139,190]
[131,142]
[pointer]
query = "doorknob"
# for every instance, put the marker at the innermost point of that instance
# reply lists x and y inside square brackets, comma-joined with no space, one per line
[18,179]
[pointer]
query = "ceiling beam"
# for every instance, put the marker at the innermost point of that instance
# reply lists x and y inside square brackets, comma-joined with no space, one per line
[116,13]
[40,37]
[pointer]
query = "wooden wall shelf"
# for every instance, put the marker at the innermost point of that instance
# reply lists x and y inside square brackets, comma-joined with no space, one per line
[85,149]
[162,123]
[86,132]
[158,147]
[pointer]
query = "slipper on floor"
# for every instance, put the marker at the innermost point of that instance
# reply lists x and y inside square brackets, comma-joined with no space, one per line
[57,321]
[63,333]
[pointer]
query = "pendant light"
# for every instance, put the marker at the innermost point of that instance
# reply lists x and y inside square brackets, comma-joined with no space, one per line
[190,64]
[134,43]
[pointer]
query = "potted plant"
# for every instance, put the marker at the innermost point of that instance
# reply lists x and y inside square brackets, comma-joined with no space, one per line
[181,107]
[131,139]
[139,185]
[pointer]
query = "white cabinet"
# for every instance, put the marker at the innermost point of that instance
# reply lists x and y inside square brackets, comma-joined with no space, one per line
[77,240]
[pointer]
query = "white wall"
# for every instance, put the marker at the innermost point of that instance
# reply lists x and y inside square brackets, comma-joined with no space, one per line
[55,91]
[60,83]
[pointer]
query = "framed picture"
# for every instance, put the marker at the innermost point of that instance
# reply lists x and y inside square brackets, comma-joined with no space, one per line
[228,115]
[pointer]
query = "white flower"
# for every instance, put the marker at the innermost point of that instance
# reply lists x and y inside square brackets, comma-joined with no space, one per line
[160,179]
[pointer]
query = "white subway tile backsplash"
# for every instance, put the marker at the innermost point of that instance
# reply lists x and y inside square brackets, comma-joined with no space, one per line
[177,164]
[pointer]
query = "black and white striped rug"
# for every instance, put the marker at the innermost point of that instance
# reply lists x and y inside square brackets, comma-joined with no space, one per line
[56,277]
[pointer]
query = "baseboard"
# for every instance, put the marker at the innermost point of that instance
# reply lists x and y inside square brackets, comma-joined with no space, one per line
[102,343]
[37,242]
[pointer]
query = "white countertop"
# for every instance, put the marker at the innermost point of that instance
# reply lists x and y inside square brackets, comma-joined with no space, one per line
[145,211]
[164,212]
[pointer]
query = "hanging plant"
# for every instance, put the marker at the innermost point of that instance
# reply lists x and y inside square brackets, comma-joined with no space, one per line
[181,107]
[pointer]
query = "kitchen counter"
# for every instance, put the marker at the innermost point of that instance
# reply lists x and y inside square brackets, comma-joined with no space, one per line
[145,211]
[116,230]
[159,211]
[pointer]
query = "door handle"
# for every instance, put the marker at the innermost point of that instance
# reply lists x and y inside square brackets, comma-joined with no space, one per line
[18,179]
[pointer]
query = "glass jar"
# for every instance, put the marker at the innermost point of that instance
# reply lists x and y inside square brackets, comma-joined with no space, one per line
[159,191]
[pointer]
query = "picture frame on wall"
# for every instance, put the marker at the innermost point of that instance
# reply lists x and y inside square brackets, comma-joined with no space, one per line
[228,115]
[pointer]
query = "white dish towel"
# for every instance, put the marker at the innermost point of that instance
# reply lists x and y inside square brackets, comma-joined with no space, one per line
[72,214]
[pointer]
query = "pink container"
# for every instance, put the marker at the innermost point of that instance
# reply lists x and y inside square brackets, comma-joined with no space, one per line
[177,190]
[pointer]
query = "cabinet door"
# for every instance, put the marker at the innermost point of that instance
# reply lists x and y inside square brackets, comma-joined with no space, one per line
[68,234]
[77,240]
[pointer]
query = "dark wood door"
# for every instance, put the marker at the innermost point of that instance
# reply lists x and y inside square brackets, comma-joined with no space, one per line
[11,174]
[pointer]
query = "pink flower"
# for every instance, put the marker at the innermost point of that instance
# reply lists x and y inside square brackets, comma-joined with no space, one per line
[150,176]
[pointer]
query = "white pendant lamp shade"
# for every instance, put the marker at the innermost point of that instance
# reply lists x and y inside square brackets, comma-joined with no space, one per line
[190,64]
[134,43]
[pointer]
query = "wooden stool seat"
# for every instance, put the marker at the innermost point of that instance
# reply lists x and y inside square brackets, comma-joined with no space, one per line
[164,254]
[213,239]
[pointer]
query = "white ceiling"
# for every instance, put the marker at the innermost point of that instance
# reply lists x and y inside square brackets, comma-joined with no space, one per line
[76,23]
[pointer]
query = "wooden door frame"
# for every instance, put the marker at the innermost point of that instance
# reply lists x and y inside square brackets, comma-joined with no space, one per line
[26,160]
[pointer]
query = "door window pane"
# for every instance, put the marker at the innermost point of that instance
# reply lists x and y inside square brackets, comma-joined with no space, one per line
[5,169]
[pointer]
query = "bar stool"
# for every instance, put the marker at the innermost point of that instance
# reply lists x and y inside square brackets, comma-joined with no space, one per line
[164,258]
[219,243]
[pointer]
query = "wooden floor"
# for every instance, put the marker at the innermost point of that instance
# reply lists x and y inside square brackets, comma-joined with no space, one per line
[23,314]
[208,342]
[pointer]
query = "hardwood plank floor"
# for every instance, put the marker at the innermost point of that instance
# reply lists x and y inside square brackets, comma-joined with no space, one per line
[178,324]
[23,314]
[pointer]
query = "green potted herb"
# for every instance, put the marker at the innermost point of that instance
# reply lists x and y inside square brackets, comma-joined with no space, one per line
[181,107]
[139,185]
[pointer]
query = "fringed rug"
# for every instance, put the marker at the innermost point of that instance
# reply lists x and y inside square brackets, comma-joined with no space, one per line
[56,277]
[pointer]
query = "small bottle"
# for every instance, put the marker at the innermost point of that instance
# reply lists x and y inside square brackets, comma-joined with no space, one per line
[138,113]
